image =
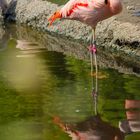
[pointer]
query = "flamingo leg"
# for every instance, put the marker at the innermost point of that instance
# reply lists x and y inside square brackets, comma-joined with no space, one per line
[93,59]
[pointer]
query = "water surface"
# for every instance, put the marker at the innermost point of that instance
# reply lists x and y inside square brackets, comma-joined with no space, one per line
[46,95]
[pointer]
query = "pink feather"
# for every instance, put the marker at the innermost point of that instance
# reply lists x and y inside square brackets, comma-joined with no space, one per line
[89,11]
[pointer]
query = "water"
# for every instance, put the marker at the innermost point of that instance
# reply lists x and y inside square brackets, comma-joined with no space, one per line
[46,95]
[60,2]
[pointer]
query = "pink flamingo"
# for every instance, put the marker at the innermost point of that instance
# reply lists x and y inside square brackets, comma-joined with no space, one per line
[89,12]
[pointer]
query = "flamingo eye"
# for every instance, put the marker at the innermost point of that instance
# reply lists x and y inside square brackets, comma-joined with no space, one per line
[106,1]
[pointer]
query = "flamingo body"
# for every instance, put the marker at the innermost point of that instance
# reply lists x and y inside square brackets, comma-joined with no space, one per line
[89,12]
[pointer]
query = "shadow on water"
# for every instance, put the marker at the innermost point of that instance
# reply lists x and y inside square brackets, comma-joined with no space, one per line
[45,92]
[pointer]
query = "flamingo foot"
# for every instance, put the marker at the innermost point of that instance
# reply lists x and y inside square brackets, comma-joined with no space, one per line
[92,48]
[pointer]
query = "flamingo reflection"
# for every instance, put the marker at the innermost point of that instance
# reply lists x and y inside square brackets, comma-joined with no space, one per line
[132,122]
[93,128]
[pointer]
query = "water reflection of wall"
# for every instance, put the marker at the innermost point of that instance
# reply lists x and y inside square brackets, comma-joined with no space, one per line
[78,49]
[3,38]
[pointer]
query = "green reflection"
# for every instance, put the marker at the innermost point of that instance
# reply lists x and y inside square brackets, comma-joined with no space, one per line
[60,2]
[135,136]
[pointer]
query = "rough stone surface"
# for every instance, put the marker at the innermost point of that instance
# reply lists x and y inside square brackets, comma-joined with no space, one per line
[1,17]
[1,32]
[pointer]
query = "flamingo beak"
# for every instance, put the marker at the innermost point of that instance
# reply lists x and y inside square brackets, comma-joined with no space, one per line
[55,16]
[106,1]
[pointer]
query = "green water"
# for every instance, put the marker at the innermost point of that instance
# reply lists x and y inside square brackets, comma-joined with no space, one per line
[38,88]
[60,2]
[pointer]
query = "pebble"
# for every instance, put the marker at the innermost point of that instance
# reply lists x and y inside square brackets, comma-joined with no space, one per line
[77,110]
[136,13]
[130,7]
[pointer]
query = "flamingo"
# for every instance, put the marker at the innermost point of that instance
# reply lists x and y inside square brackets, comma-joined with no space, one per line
[89,12]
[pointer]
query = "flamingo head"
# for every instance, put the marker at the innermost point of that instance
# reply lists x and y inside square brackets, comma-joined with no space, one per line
[56,15]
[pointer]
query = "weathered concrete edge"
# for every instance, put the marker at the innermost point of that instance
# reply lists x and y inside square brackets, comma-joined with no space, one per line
[1,17]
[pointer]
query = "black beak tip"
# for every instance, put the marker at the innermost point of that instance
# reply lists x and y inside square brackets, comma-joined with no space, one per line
[106,1]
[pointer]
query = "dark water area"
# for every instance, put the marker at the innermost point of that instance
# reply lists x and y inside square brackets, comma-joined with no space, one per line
[46,95]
